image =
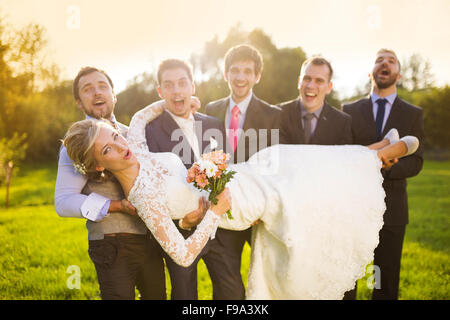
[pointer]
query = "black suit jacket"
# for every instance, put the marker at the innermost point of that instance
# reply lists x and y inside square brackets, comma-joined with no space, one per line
[260,119]
[164,135]
[333,126]
[408,120]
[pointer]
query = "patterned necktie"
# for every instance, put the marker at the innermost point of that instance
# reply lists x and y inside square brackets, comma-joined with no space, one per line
[234,127]
[307,128]
[380,117]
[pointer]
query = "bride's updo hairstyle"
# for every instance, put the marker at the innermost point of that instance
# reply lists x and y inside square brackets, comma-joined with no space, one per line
[79,141]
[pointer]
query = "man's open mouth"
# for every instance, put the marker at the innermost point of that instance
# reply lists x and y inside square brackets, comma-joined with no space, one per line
[178,102]
[99,103]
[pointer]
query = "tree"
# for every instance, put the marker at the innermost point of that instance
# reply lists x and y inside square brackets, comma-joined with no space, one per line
[416,73]
[141,91]
[32,98]
[12,151]
[281,66]
[435,104]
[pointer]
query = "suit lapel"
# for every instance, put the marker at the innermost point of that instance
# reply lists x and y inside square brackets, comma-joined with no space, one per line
[169,126]
[367,111]
[222,110]
[251,114]
[322,124]
[299,131]
[395,116]
[199,129]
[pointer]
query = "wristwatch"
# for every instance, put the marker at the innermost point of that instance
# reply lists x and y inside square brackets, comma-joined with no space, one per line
[180,224]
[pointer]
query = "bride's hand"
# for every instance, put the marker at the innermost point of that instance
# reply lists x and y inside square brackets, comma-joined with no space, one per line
[223,203]
[158,106]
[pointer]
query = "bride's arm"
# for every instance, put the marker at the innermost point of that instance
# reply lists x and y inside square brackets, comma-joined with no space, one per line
[136,131]
[153,211]
[136,137]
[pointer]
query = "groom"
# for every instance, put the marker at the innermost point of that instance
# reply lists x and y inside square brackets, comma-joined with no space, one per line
[189,135]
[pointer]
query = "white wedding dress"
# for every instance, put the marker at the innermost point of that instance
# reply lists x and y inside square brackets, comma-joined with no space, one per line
[321,209]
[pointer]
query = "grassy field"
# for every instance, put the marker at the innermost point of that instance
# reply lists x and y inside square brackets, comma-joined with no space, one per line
[39,251]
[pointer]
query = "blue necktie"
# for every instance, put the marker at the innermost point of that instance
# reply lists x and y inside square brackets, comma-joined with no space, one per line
[380,117]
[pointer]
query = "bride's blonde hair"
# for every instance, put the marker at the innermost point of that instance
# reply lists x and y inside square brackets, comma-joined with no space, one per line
[79,141]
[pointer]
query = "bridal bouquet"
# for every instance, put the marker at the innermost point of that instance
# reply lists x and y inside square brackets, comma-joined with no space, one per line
[210,173]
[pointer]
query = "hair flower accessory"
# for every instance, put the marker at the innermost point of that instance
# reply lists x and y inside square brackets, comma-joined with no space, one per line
[80,167]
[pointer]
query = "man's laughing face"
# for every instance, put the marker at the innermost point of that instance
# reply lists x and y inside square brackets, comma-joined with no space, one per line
[97,98]
[176,89]
[386,71]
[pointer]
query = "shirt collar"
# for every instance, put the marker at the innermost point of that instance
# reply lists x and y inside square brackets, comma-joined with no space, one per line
[243,105]
[390,98]
[182,122]
[316,113]
[113,118]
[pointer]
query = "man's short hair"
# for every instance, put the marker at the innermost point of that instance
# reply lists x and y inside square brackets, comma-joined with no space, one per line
[244,52]
[318,61]
[391,52]
[85,71]
[174,64]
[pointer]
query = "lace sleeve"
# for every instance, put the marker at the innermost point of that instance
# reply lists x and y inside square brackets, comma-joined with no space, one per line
[136,132]
[149,199]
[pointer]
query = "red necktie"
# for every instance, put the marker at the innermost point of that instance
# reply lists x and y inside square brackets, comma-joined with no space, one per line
[234,127]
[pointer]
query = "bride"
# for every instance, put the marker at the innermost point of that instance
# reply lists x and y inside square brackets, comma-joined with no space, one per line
[321,206]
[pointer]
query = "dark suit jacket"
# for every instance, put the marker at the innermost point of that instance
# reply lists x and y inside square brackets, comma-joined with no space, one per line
[260,119]
[160,137]
[333,126]
[408,120]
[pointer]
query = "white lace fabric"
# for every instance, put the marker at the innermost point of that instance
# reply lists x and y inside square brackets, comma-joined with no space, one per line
[149,196]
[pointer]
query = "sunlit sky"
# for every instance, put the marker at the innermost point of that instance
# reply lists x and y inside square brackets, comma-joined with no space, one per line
[126,38]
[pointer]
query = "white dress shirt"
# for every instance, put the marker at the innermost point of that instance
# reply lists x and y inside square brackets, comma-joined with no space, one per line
[243,106]
[188,128]
[388,107]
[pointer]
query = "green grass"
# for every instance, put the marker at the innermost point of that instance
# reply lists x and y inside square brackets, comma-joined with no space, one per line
[37,246]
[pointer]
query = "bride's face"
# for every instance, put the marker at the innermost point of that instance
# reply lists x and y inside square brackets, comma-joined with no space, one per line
[111,151]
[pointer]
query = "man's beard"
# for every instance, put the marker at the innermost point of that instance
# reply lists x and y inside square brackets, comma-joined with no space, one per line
[383,84]
[103,113]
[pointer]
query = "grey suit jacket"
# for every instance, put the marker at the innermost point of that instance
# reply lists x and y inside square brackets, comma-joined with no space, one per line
[333,126]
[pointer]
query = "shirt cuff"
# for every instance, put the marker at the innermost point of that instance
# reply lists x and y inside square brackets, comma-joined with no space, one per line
[95,207]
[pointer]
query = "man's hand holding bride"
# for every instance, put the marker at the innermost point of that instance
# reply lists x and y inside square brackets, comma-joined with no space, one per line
[193,218]
[123,206]
[387,164]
